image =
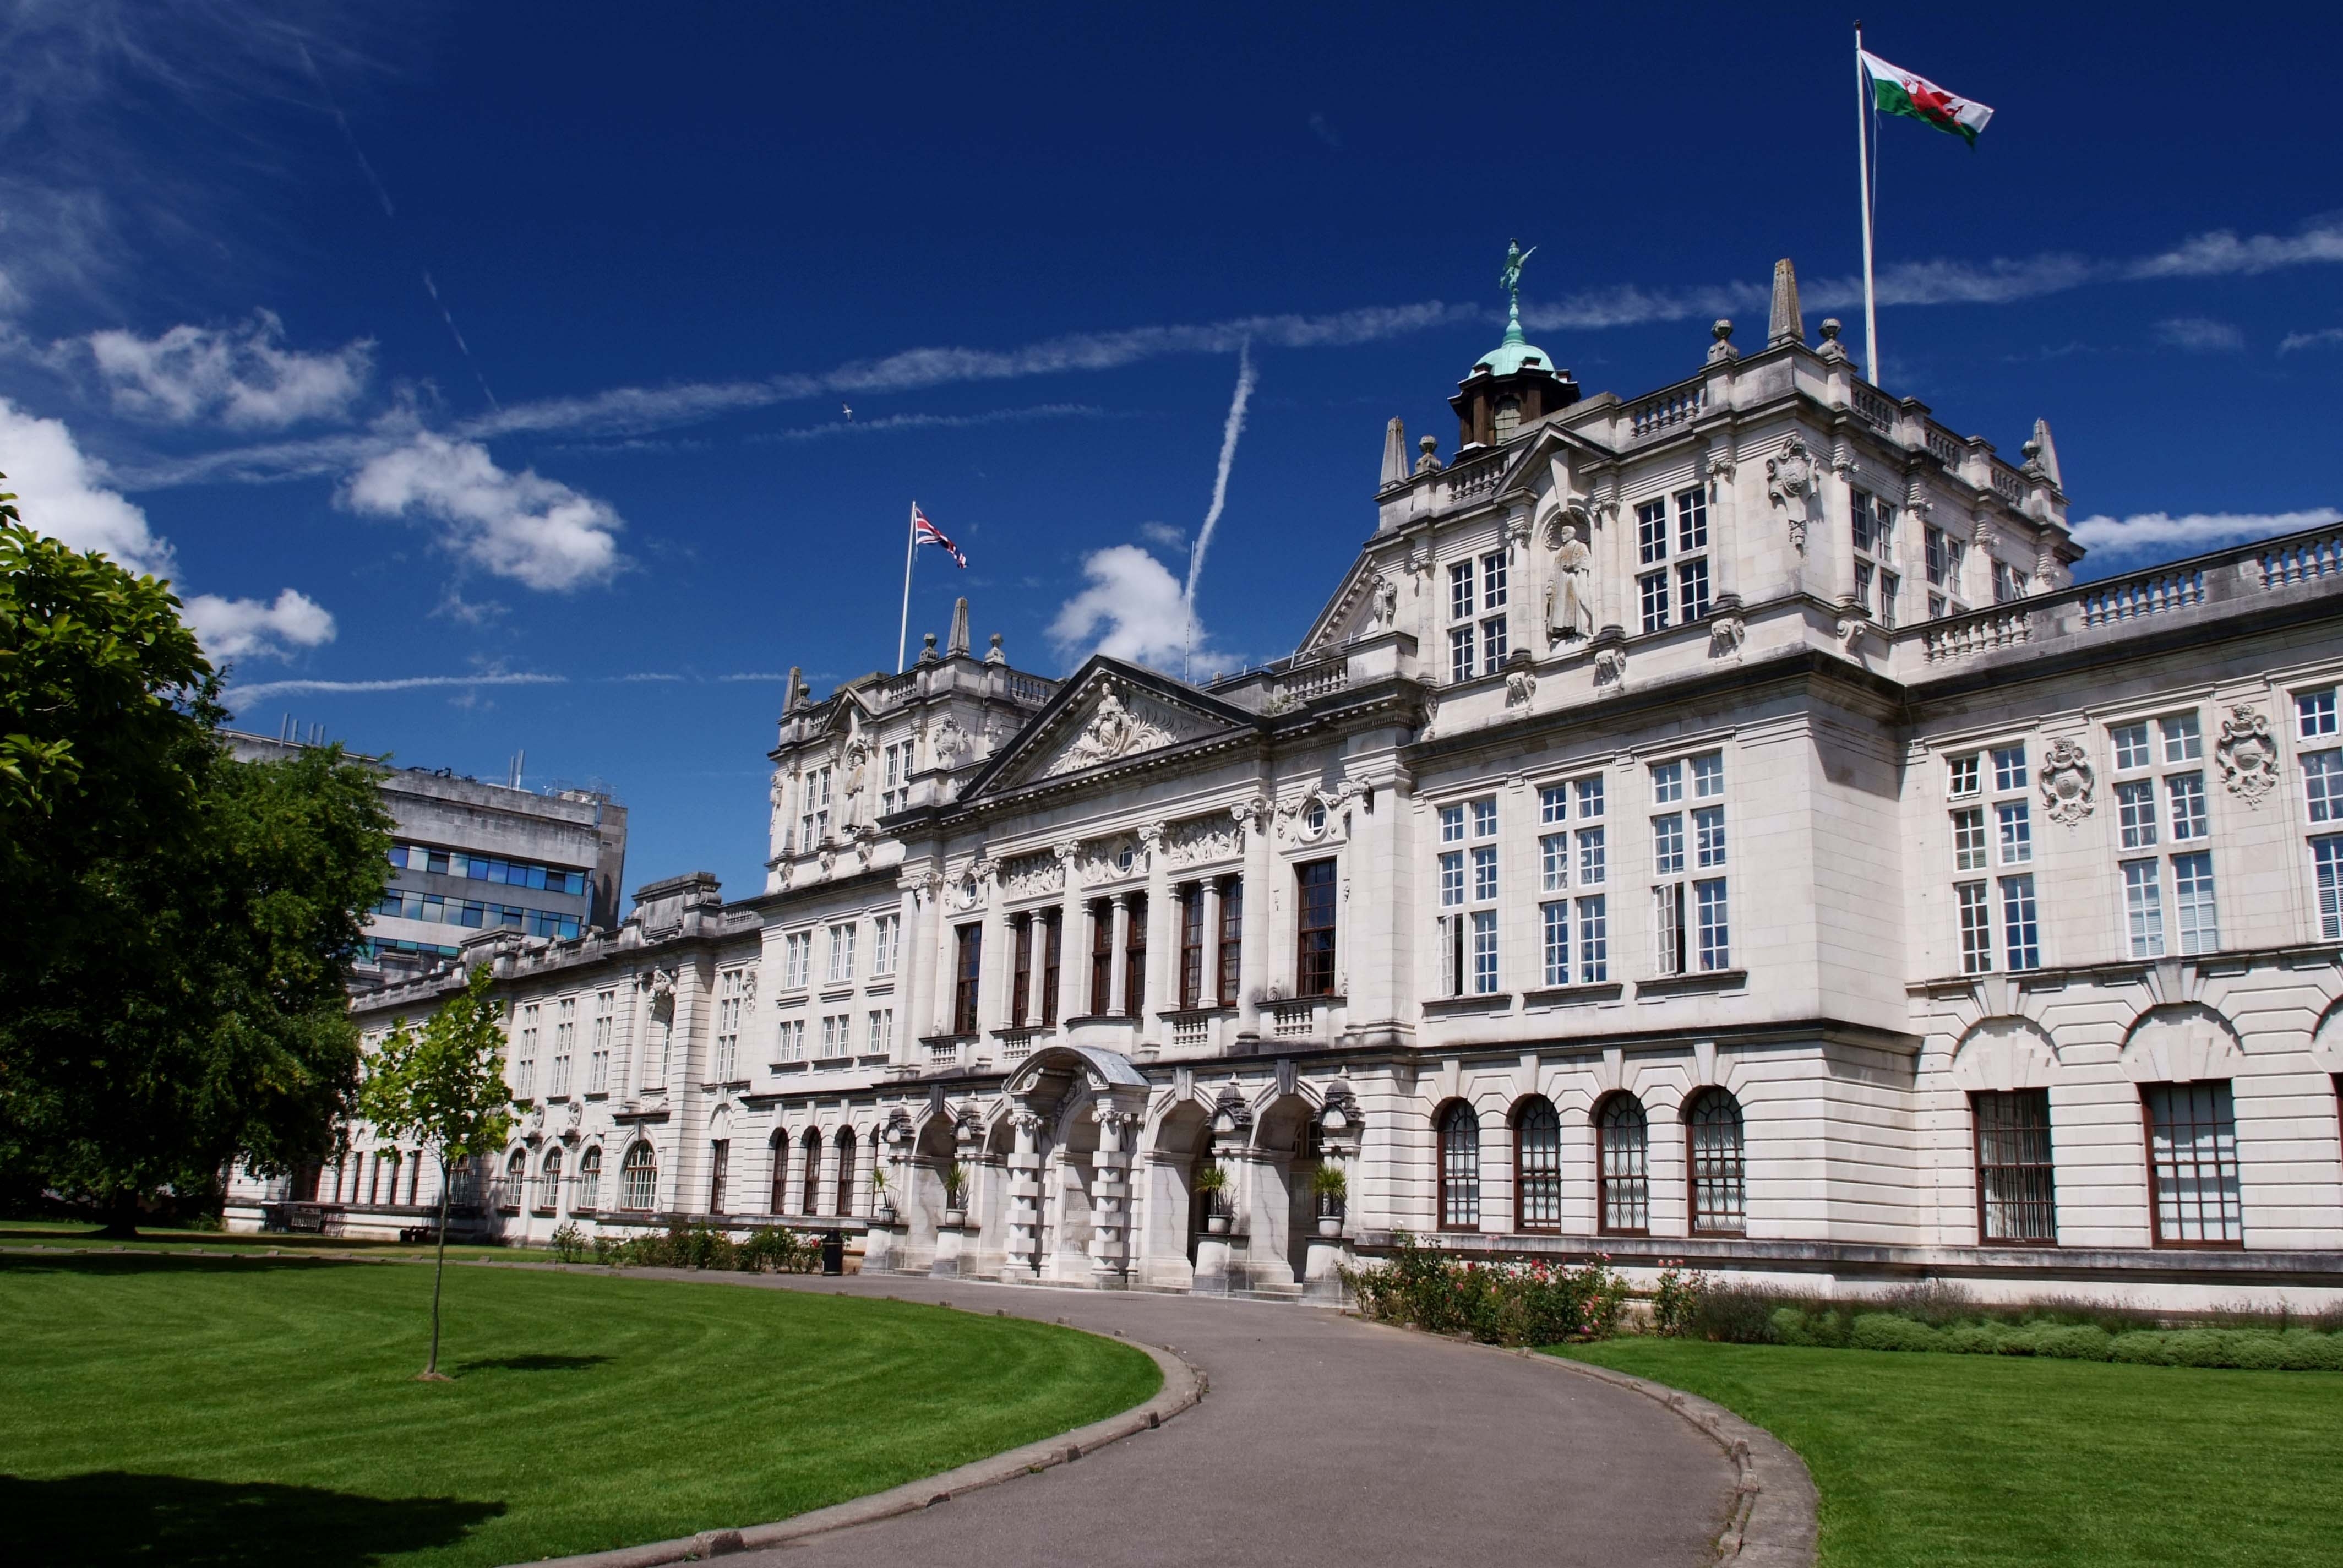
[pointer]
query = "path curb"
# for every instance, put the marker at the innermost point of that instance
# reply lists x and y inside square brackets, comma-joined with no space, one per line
[1773,1522]
[1183,1389]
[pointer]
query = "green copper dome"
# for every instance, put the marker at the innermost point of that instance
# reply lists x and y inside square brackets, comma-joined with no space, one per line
[1515,351]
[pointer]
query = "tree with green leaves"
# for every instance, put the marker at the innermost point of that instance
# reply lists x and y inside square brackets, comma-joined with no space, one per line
[443,1088]
[173,993]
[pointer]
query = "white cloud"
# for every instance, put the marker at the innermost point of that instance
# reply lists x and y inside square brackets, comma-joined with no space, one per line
[58,492]
[2200,334]
[238,697]
[2222,253]
[924,422]
[2326,337]
[229,628]
[531,529]
[1164,534]
[2148,530]
[242,377]
[1133,608]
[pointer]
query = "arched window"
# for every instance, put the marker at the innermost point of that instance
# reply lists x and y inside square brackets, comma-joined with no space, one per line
[589,1180]
[1622,1145]
[1460,1168]
[1537,1166]
[1712,1145]
[780,1199]
[637,1178]
[845,1171]
[812,1146]
[515,1180]
[548,1182]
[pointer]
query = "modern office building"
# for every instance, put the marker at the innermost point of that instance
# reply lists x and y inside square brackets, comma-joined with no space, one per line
[1711,825]
[470,857]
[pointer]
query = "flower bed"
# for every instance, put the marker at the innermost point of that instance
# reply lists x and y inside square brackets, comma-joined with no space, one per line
[1526,1303]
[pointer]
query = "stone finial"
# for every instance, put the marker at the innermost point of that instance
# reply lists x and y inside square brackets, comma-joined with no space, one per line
[927,647]
[1722,349]
[2042,454]
[957,646]
[994,655]
[1430,462]
[1831,349]
[1786,323]
[1394,453]
[793,695]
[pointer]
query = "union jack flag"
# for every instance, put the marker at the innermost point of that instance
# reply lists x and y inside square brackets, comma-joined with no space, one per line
[927,533]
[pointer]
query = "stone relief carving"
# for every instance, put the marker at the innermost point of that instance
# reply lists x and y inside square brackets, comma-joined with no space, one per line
[2247,753]
[1115,730]
[2067,781]
[1610,667]
[947,741]
[1725,635]
[1204,838]
[1570,596]
[1110,859]
[1520,686]
[1790,484]
[1028,875]
[1252,811]
[1383,605]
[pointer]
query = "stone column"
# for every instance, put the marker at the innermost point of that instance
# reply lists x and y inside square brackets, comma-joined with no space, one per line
[1209,995]
[1073,933]
[1252,935]
[1116,973]
[1024,1196]
[1111,1188]
[912,950]
[1524,610]
[1163,945]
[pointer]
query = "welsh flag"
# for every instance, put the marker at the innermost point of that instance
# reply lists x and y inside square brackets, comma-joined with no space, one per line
[1897,90]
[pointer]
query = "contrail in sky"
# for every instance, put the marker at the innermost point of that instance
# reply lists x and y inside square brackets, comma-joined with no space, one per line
[1229,433]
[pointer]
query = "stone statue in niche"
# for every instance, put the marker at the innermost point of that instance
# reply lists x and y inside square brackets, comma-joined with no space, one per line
[1570,597]
[1383,611]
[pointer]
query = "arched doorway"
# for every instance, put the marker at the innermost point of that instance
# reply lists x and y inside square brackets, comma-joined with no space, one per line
[1074,1113]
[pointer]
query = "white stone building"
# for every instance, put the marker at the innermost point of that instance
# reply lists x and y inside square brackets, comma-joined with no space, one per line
[1710,826]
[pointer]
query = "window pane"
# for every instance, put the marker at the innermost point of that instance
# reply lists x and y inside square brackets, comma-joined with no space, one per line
[2021,937]
[2135,813]
[2326,860]
[2182,740]
[1554,920]
[2186,793]
[1692,519]
[1593,941]
[1977,929]
[2322,785]
[2008,767]
[1651,532]
[1460,1170]
[1553,862]
[1537,1166]
[1668,844]
[2130,742]
[1968,839]
[1713,1123]
[2015,1197]
[2143,909]
[1590,857]
[1715,932]
[2016,818]
[1621,1139]
[2193,1153]
[2192,898]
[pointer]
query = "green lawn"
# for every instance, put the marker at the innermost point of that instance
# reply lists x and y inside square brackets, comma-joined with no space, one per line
[79,1233]
[1961,1461]
[218,1411]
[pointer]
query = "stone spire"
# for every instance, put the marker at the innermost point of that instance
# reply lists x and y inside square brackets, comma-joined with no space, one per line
[957,646]
[1787,324]
[1394,453]
[793,696]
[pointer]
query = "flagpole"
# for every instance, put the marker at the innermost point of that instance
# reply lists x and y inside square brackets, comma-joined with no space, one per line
[911,549]
[1862,177]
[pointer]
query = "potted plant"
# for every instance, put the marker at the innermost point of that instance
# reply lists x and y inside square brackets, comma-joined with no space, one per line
[1212,1189]
[1330,1188]
[956,1194]
[882,1202]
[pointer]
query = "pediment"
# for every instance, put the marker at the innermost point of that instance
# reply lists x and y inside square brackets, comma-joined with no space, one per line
[1109,714]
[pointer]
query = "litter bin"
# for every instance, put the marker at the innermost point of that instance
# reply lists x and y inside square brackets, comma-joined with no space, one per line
[833,1252]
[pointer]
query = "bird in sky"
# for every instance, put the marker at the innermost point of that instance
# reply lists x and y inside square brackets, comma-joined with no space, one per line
[848,409]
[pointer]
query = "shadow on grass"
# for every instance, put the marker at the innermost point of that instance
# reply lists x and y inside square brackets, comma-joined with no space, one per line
[531,1364]
[108,1519]
[158,1262]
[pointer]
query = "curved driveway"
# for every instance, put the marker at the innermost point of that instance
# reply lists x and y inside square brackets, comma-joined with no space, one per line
[1323,1439]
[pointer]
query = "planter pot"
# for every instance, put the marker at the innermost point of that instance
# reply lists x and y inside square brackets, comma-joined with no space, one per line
[955,1216]
[1330,1225]
[1217,1224]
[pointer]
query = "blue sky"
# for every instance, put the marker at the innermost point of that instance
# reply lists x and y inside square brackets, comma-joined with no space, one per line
[479,374]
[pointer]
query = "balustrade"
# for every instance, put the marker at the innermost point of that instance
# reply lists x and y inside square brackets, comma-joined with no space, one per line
[2128,599]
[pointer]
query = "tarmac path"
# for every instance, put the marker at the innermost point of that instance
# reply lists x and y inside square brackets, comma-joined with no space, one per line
[1323,1439]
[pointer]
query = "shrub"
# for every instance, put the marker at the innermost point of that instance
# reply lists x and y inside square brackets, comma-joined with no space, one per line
[1530,1303]
[569,1244]
[1675,1301]
[1888,1332]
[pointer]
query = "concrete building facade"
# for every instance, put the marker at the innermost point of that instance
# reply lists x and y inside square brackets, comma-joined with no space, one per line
[1709,826]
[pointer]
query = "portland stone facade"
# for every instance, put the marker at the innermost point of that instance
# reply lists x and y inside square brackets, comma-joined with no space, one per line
[1709,826]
